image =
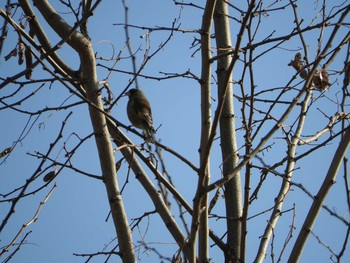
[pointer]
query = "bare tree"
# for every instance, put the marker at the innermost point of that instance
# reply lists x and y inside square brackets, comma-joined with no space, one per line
[269,81]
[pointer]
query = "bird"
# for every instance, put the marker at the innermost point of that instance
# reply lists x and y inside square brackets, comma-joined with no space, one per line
[140,113]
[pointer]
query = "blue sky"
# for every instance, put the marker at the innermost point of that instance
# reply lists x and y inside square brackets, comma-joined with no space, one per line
[73,219]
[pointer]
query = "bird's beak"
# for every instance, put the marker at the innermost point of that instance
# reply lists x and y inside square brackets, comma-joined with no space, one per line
[126,94]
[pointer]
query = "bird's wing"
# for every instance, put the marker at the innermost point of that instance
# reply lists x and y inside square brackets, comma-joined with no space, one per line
[144,113]
[148,118]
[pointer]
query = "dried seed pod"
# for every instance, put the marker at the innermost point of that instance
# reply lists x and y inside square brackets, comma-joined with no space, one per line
[6,152]
[29,62]
[214,200]
[8,10]
[13,53]
[320,80]
[297,63]
[118,164]
[324,79]
[50,176]
[303,74]
[21,25]
[346,75]
[31,31]
[20,48]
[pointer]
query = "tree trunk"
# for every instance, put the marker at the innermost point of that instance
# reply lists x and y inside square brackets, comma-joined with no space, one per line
[232,189]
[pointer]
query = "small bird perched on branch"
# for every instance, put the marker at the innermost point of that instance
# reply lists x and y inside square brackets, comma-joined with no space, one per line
[140,113]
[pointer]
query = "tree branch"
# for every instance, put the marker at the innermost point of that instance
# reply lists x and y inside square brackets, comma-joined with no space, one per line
[82,45]
[320,198]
